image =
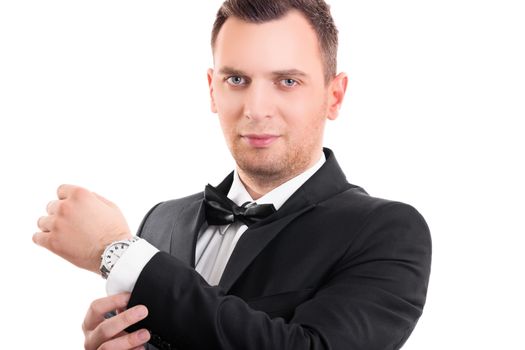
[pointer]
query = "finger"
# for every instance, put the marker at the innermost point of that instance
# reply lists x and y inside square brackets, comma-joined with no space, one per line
[115,325]
[133,340]
[51,207]
[63,191]
[102,306]
[42,239]
[45,223]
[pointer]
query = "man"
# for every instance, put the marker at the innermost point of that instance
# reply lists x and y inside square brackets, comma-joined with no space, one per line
[317,263]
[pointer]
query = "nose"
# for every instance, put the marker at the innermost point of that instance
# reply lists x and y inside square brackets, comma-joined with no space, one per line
[259,102]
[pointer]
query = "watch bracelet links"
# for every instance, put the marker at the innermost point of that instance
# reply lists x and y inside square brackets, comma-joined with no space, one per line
[105,271]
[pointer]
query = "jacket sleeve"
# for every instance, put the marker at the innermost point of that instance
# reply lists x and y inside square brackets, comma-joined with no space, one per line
[371,300]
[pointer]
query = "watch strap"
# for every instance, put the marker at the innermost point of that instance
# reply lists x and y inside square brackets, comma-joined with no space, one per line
[105,269]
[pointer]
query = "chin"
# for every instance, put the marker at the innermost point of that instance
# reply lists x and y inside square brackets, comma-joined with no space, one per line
[260,163]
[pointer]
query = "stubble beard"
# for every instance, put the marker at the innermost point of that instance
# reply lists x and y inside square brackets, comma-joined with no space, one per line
[270,168]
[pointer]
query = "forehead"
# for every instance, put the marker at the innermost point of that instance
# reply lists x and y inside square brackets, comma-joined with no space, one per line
[286,43]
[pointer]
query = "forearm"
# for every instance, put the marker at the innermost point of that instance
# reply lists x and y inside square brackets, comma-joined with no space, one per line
[190,313]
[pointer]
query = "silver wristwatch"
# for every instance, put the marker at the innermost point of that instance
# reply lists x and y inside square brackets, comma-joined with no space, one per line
[112,253]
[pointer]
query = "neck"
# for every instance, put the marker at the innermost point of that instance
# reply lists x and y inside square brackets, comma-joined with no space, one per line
[259,186]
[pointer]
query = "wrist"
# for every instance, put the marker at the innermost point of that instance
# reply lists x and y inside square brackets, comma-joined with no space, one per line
[112,253]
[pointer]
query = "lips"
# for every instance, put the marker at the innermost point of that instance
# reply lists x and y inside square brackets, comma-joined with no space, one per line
[259,140]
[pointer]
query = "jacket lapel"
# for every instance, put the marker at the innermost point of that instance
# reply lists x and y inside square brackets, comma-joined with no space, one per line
[328,181]
[252,242]
[325,183]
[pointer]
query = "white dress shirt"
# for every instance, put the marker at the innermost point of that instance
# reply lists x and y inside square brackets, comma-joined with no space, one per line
[215,243]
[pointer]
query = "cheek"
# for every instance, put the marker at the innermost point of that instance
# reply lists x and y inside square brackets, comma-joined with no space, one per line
[228,128]
[305,113]
[228,110]
[226,102]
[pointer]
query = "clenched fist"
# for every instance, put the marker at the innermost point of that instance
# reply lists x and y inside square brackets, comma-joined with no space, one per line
[79,225]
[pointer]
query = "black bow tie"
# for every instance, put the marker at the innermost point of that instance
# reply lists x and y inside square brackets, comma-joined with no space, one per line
[220,210]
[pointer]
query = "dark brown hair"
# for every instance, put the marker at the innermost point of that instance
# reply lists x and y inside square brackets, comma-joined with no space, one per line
[317,12]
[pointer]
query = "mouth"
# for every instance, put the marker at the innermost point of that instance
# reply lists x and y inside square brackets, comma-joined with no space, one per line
[259,140]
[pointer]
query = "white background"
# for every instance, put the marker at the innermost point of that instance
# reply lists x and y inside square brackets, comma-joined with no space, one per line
[112,95]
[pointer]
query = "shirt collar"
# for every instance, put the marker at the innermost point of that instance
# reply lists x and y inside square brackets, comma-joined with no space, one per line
[239,195]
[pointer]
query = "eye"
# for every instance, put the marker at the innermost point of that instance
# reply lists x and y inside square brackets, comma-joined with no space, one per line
[289,82]
[236,81]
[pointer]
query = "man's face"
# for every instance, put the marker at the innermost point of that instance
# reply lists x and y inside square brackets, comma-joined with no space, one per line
[269,91]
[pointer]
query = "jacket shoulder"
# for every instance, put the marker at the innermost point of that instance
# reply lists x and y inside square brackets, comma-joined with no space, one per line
[158,222]
[358,202]
[363,219]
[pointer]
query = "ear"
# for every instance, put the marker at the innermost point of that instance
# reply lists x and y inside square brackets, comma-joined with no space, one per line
[337,90]
[210,85]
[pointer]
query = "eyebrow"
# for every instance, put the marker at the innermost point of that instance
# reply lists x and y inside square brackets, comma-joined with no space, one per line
[285,72]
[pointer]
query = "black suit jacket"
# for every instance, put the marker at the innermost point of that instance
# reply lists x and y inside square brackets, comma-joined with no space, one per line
[333,268]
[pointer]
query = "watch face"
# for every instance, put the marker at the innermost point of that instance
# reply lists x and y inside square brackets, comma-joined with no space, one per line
[113,253]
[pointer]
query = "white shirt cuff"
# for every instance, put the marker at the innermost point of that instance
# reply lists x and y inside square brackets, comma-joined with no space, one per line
[126,271]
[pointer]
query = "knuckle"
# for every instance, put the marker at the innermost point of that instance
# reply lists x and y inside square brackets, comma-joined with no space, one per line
[78,192]
[127,317]
[95,307]
[55,224]
[122,299]
[87,341]
[73,192]
[132,340]
[104,331]
[51,223]
[104,347]
[86,327]
[61,208]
